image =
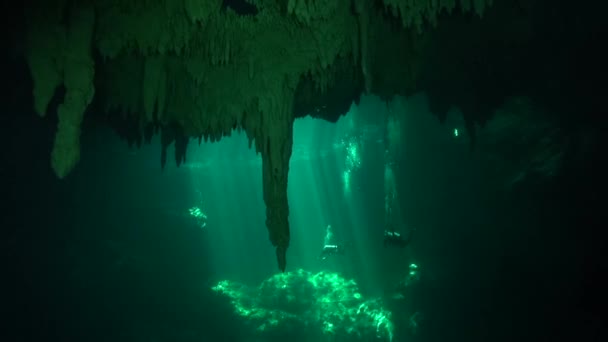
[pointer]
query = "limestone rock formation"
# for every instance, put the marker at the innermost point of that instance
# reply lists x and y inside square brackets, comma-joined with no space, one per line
[203,68]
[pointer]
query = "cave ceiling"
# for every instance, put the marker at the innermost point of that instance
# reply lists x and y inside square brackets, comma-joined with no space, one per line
[200,69]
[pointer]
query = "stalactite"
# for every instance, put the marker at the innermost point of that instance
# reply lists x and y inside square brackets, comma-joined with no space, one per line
[275,143]
[78,81]
[414,13]
[181,147]
[362,9]
[45,44]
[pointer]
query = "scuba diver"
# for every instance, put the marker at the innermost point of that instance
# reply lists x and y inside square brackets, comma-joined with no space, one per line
[395,239]
[406,298]
[391,237]
[329,247]
[330,250]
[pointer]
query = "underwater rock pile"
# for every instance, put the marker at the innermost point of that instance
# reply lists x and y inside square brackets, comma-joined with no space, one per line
[318,305]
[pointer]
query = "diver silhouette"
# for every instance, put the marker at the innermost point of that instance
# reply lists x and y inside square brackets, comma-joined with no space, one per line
[395,239]
[330,248]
